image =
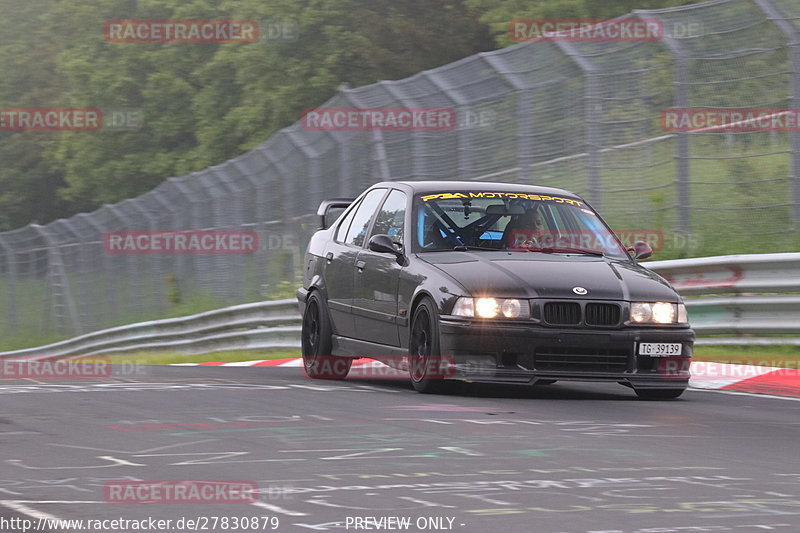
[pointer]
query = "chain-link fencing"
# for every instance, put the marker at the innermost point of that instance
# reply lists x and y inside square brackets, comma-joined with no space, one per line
[579,115]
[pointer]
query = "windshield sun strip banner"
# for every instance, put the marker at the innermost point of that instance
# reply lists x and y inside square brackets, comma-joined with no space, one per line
[505,195]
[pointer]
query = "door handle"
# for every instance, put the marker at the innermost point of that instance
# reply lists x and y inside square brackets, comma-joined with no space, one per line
[360,265]
[329,257]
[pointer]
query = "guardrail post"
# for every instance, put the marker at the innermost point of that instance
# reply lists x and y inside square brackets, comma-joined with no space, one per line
[776,15]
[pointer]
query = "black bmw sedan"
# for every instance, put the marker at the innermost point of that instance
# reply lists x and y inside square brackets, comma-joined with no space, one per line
[487,282]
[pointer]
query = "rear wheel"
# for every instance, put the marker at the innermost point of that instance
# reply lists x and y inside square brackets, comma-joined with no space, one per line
[424,359]
[658,394]
[317,340]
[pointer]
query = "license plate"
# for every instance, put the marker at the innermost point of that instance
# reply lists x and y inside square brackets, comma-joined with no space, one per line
[660,349]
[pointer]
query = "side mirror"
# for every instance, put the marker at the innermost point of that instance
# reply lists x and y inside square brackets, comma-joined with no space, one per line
[383,244]
[641,250]
[326,206]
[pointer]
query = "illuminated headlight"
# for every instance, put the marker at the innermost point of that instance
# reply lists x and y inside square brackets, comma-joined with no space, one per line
[658,313]
[491,308]
[487,307]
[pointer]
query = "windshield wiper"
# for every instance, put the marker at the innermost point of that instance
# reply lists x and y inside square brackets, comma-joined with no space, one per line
[465,247]
[550,250]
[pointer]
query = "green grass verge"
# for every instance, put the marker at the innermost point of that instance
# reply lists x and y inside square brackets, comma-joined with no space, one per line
[780,356]
[229,356]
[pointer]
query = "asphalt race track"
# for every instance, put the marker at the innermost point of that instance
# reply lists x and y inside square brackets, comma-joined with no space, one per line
[371,455]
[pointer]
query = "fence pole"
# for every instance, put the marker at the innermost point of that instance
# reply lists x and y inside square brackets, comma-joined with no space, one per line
[591,117]
[111,314]
[63,305]
[380,159]
[133,296]
[682,146]
[524,103]
[463,137]
[11,278]
[776,15]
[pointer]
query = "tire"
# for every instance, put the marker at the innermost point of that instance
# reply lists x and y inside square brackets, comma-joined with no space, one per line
[423,351]
[317,341]
[658,394]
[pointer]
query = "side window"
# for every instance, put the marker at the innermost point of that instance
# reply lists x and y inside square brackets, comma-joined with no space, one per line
[345,225]
[357,233]
[391,218]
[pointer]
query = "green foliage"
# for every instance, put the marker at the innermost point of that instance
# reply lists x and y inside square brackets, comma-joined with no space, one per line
[498,13]
[202,103]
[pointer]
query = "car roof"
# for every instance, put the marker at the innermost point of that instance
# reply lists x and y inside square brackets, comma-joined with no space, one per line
[440,186]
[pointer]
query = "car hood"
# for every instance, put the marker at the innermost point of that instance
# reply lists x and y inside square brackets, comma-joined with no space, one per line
[533,275]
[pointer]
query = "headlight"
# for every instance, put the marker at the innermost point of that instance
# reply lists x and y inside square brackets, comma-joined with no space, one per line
[492,308]
[487,307]
[658,313]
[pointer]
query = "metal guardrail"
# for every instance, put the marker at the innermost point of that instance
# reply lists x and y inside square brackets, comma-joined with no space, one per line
[732,274]
[744,302]
[735,309]
[262,325]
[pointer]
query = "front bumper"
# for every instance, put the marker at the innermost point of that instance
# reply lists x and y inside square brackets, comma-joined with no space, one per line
[526,353]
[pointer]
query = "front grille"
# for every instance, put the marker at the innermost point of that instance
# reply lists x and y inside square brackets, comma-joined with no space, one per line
[602,314]
[559,358]
[562,313]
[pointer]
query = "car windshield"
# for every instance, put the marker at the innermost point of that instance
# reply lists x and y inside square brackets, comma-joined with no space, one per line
[517,222]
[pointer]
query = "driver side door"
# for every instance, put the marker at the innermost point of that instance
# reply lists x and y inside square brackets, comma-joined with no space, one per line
[377,277]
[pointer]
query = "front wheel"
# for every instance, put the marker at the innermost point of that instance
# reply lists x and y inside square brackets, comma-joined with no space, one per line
[425,364]
[658,394]
[317,340]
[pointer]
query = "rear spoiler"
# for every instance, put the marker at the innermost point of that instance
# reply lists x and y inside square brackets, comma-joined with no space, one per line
[327,205]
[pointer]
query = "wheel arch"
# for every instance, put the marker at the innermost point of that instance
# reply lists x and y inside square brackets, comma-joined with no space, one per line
[423,293]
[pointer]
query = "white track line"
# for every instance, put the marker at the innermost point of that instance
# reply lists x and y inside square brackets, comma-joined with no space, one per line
[277,509]
[18,507]
[244,363]
[752,394]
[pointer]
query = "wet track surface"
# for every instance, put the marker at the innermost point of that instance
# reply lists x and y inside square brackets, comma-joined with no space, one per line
[370,455]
